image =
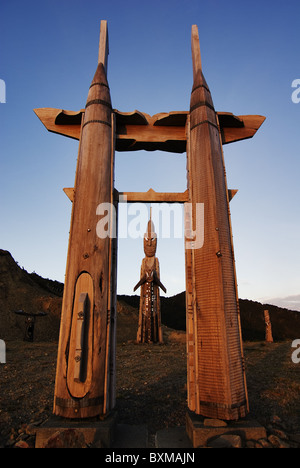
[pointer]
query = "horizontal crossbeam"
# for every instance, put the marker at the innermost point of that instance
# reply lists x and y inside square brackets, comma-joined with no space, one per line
[152,197]
[139,131]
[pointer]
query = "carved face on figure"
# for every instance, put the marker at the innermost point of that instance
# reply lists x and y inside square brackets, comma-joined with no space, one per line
[150,240]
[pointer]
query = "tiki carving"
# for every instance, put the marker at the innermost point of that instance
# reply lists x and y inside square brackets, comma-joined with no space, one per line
[149,327]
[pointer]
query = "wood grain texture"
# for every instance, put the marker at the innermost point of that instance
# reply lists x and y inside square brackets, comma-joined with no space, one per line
[79,385]
[217,379]
[103,45]
[88,254]
[139,131]
[151,196]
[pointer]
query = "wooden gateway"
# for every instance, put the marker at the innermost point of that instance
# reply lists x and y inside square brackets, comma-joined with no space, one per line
[85,377]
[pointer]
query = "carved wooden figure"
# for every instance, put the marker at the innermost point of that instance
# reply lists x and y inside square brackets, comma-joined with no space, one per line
[149,327]
[30,323]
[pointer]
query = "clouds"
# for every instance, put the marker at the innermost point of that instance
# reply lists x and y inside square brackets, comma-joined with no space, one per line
[288,302]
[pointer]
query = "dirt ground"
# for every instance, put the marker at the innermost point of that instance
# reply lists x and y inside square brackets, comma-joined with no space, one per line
[151,387]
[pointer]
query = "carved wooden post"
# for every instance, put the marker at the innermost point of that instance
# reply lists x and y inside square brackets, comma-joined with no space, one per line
[216,386]
[268,325]
[149,327]
[86,344]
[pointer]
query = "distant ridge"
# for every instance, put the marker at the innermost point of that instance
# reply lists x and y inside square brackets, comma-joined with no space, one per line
[32,293]
[285,322]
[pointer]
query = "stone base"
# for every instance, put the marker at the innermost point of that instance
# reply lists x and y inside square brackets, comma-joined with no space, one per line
[68,433]
[131,436]
[200,430]
[172,437]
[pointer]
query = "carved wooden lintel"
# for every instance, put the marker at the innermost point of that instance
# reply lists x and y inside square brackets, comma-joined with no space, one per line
[139,131]
[151,196]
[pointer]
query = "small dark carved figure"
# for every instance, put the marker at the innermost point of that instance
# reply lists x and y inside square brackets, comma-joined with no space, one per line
[29,323]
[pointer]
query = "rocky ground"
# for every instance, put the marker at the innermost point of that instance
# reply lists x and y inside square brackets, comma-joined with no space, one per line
[151,379]
[151,389]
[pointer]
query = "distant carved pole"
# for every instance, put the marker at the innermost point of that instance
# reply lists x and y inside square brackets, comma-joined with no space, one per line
[269,336]
[149,327]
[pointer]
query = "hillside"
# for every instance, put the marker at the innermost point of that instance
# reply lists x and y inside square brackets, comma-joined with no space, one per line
[20,290]
[32,293]
[285,323]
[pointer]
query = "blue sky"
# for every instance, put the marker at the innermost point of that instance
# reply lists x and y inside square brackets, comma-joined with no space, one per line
[250,57]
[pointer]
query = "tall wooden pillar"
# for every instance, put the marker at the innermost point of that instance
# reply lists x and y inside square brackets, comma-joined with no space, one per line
[85,366]
[216,377]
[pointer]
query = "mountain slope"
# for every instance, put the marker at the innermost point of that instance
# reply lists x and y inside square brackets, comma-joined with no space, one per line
[285,323]
[19,291]
[32,293]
